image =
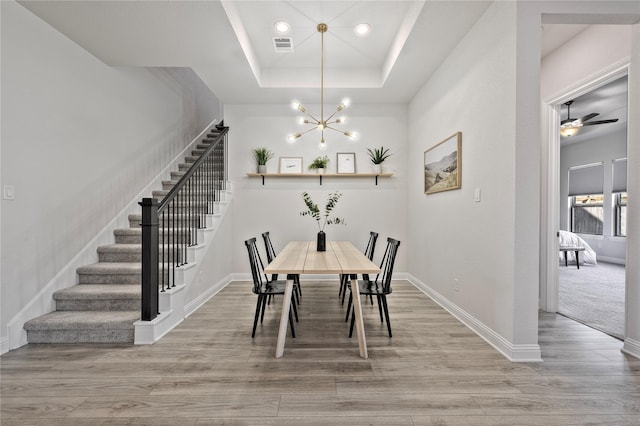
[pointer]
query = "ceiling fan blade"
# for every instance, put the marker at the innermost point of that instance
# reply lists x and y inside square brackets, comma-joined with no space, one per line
[588,117]
[591,123]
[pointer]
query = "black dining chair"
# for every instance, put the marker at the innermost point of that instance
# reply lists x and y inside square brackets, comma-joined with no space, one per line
[380,288]
[368,251]
[265,288]
[271,254]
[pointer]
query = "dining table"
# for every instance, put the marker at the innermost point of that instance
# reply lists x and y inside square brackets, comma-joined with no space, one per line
[340,258]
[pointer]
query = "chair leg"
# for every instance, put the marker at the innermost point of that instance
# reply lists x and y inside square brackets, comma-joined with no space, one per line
[293,329]
[293,305]
[297,281]
[353,321]
[255,317]
[371,299]
[342,286]
[379,307]
[344,292]
[386,313]
[264,305]
[346,318]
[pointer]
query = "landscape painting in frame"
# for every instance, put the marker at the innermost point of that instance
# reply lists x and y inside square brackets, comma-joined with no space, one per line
[442,165]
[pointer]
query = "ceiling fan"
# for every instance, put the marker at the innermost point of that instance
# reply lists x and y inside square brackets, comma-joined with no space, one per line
[570,126]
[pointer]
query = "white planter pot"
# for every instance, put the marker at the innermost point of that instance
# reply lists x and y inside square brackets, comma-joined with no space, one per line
[320,171]
[377,168]
[262,169]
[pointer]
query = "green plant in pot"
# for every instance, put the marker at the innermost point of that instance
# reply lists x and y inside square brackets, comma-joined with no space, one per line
[319,164]
[322,219]
[262,155]
[377,157]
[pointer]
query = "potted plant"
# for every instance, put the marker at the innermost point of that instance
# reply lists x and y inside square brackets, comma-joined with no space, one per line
[377,156]
[262,155]
[314,211]
[319,164]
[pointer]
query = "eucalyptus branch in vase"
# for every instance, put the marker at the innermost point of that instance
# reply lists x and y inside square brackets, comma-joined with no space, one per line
[322,220]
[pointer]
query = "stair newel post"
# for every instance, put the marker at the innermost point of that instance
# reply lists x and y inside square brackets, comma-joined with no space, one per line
[149,259]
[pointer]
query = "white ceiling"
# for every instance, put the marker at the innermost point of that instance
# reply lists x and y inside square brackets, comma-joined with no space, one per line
[228,43]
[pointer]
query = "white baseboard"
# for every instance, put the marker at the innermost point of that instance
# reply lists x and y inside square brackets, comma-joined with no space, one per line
[4,345]
[631,347]
[514,353]
[612,260]
[195,304]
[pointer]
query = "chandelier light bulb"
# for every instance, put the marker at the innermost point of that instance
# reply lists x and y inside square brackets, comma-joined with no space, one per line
[341,120]
[353,135]
[302,120]
[293,137]
[346,102]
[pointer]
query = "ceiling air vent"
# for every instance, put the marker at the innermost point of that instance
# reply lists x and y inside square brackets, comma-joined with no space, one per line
[283,44]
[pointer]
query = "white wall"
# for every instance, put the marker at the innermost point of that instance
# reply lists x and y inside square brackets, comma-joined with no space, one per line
[275,207]
[605,150]
[453,237]
[79,141]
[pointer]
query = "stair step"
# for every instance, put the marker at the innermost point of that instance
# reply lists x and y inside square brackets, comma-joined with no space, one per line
[120,253]
[128,235]
[110,273]
[194,219]
[83,327]
[99,297]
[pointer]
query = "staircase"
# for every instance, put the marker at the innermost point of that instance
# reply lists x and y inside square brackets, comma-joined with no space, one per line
[105,304]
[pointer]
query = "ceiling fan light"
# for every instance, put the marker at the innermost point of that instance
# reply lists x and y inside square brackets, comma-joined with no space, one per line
[569,131]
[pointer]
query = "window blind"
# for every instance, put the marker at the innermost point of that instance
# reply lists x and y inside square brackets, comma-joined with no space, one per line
[587,179]
[619,175]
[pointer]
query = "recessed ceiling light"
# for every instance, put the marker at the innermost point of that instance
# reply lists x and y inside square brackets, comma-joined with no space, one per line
[282,27]
[362,29]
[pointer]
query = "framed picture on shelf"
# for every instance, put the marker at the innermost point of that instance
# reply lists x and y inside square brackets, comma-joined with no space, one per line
[290,165]
[346,162]
[443,165]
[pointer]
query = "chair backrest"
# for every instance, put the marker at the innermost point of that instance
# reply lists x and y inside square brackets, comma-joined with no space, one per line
[257,267]
[388,260]
[271,253]
[371,246]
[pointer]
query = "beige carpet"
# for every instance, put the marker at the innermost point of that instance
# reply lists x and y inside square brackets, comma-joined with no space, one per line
[594,296]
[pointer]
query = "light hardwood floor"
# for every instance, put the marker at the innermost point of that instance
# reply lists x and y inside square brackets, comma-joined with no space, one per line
[434,371]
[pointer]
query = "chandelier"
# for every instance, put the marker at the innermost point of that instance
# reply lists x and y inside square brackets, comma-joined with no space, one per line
[322,123]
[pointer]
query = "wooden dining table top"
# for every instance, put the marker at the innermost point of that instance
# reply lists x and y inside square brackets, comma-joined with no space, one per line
[340,257]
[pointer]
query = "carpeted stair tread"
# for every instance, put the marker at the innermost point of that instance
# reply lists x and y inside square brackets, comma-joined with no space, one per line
[99,291]
[85,320]
[106,268]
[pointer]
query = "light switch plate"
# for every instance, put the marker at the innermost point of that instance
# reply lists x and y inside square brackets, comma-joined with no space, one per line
[9,192]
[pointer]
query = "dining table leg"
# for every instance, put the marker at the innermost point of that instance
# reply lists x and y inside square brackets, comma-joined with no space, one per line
[357,307]
[284,318]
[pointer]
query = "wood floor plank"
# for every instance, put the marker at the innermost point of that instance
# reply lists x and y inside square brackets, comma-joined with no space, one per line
[434,371]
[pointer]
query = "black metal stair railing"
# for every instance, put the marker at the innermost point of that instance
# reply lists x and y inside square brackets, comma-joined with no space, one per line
[172,225]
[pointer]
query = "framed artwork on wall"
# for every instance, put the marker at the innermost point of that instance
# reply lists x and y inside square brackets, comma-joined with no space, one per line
[290,165]
[346,162]
[443,165]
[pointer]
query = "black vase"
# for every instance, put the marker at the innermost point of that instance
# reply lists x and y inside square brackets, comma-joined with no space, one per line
[322,241]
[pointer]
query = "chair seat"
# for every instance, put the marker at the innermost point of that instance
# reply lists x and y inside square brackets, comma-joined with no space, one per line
[372,288]
[272,287]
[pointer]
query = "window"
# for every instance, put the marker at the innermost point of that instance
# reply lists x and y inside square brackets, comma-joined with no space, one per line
[620,197]
[587,214]
[620,214]
[586,197]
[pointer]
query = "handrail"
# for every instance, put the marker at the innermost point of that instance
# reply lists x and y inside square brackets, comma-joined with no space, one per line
[170,227]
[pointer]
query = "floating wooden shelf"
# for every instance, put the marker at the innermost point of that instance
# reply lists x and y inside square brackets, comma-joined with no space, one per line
[318,175]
